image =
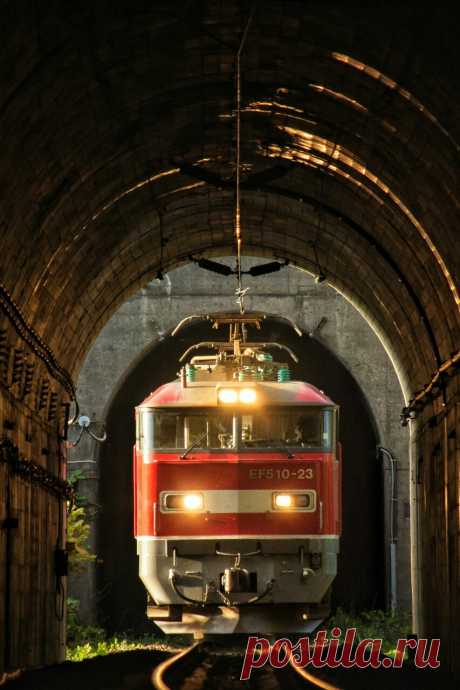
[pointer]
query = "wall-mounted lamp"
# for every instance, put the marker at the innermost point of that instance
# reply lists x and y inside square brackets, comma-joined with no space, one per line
[85,423]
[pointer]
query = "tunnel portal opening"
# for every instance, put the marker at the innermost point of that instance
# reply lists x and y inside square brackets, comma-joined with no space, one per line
[360,581]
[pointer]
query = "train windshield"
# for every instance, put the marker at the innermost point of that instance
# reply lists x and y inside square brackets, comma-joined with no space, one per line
[305,427]
[214,429]
[179,429]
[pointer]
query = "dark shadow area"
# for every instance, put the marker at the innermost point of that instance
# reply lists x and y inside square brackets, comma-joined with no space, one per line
[360,581]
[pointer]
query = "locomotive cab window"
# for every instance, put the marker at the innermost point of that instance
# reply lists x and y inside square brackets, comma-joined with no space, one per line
[297,427]
[179,429]
[214,429]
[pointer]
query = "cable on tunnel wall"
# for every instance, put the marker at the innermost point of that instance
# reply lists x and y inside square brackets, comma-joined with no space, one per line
[34,473]
[35,342]
[433,389]
[62,490]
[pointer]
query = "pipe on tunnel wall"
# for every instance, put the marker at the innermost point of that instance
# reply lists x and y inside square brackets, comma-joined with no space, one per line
[390,548]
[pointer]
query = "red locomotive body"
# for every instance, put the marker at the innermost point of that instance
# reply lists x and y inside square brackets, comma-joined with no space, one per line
[237,493]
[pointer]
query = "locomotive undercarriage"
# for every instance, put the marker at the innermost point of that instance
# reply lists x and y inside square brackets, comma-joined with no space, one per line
[237,585]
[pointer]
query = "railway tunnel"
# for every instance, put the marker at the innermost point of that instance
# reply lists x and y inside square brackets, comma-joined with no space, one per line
[117,124]
[135,353]
[118,592]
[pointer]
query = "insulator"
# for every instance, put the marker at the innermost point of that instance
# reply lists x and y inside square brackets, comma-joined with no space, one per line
[190,373]
[247,374]
[3,345]
[18,366]
[52,407]
[4,356]
[284,375]
[29,377]
[43,395]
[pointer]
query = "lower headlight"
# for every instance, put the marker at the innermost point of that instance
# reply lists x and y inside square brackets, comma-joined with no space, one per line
[193,502]
[282,500]
[186,502]
[285,501]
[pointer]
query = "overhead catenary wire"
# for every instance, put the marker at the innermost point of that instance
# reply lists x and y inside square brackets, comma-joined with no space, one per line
[240,291]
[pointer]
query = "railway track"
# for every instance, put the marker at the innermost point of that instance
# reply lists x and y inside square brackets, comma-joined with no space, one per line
[201,667]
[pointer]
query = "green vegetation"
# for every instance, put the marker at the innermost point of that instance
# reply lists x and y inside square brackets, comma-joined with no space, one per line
[81,634]
[82,641]
[78,530]
[390,627]
[110,645]
[87,641]
[79,515]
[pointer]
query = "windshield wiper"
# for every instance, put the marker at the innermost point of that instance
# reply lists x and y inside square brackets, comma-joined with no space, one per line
[284,449]
[193,445]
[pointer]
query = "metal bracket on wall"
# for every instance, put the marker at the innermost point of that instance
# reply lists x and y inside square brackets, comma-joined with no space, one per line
[315,331]
[433,389]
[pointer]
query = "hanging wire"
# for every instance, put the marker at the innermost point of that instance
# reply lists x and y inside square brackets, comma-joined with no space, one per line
[240,291]
[159,275]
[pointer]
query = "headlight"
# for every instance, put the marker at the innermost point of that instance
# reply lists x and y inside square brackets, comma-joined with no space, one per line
[230,396]
[282,500]
[227,395]
[193,502]
[184,502]
[285,501]
[248,395]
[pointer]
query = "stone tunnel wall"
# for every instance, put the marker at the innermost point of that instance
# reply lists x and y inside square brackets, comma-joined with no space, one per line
[436,475]
[32,507]
[153,312]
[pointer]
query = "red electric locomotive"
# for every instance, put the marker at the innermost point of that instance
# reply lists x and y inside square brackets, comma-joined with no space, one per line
[237,492]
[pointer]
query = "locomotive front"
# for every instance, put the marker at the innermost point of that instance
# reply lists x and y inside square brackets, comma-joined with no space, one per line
[237,493]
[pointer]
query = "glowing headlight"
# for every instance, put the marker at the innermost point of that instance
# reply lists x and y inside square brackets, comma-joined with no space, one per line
[228,395]
[193,502]
[182,502]
[248,395]
[293,501]
[283,500]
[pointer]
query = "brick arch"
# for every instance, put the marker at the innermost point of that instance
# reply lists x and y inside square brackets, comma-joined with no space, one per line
[308,95]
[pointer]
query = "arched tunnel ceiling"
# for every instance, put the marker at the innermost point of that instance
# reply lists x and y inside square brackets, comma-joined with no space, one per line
[117,131]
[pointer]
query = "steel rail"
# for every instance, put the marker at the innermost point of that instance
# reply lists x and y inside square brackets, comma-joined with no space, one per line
[159,683]
[314,680]
[157,677]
